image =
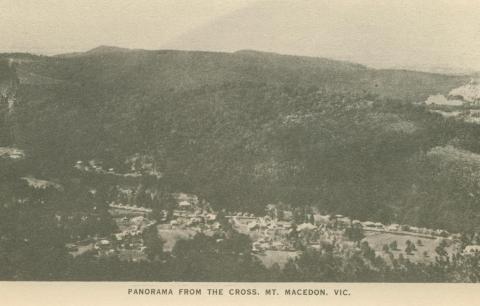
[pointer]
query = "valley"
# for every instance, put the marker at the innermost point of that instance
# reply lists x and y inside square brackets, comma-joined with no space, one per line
[192,166]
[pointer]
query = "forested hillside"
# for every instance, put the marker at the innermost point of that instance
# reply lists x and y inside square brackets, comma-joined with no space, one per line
[246,129]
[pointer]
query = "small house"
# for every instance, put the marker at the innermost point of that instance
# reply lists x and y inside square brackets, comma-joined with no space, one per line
[471,250]
[185,205]
[379,225]
[393,227]
[368,224]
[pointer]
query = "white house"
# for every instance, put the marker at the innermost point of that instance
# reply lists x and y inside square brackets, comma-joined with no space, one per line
[471,250]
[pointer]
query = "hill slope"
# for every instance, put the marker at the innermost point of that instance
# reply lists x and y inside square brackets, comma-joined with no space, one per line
[247,128]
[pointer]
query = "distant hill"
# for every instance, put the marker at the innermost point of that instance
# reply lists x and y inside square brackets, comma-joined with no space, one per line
[438,70]
[94,51]
[193,68]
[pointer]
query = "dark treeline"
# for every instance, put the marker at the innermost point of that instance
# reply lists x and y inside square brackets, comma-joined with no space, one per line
[203,259]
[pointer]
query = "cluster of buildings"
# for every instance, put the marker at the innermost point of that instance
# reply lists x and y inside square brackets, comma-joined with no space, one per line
[133,220]
[190,212]
[265,232]
[268,233]
[96,167]
[188,215]
[271,233]
[406,229]
[138,165]
[130,238]
[128,242]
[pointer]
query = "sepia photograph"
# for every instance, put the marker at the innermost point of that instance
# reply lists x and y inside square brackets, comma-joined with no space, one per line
[241,142]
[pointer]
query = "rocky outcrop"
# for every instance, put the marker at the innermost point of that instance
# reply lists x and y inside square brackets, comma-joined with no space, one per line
[8,83]
[8,89]
[469,92]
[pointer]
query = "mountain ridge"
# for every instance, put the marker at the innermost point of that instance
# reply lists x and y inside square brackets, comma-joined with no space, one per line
[102,50]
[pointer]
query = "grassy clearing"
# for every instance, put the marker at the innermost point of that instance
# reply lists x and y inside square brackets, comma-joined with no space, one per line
[171,235]
[378,240]
[270,257]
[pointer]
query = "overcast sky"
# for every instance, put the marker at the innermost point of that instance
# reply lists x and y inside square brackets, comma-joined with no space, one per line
[393,33]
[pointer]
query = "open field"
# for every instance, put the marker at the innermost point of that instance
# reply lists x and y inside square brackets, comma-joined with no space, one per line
[132,255]
[81,249]
[271,257]
[171,235]
[377,240]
